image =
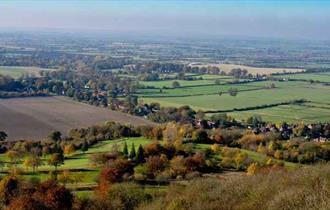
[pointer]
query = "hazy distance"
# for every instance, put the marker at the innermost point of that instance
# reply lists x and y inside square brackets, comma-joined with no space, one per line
[182,18]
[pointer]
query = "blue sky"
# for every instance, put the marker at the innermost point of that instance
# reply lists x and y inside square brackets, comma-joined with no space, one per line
[305,19]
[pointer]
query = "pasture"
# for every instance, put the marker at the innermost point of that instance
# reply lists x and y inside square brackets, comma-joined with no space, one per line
[18,71]
[321,77]
[250,69]
[35,117]
[252,94]
[203,79]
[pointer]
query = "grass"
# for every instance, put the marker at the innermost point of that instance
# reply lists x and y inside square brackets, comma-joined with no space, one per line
[318,94]
[79,161]
[18,71]
[199,90]
[322,77]
[287,113]
[252,70]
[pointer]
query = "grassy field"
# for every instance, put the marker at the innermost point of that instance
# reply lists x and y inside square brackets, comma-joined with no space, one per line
[252,70]
[322,77]
[288,113]
[252,94]
[17,71]
[36,117]
[79,162]
[199,90]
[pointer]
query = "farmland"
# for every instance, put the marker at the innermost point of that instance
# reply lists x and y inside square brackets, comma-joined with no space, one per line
[251,94]
[321,77]
[252,70]
[17,71]
[34,118]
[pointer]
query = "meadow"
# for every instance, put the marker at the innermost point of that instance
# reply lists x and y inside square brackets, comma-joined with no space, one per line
[251,94]
[250,69]
[322,77]
[206,80]
[18,71]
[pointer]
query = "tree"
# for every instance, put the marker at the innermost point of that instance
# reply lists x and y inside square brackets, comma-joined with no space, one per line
[55,136]
[252,169]
[233,91]
[125,150]
[35,162]
[278,154]
[132,154]
[8,189]
[140,154]
[154,165]
[14,156]
[175,84]
[55,160]
[65,177]
[3,136]
[25,202]
[84,146]
[69,149]
[200,115]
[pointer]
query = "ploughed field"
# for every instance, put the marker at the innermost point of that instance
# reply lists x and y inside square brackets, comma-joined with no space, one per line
[35,117]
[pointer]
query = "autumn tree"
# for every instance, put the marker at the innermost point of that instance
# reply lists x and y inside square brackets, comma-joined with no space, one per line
[65,177]
[13,156]
[55,160]
[154,165]
[8,189]
[69,149]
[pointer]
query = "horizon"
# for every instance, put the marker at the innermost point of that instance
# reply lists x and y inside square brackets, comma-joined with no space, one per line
[306,20]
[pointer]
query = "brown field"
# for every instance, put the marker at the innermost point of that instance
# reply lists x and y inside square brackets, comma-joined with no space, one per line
[35,117]
[252,70]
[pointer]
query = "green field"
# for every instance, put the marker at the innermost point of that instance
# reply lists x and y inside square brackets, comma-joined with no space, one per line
[17,71]
[251,94]
[79,162]
[207,79]
[199,90]
[322,77]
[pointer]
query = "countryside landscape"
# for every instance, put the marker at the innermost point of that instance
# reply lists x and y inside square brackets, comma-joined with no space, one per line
[173,105]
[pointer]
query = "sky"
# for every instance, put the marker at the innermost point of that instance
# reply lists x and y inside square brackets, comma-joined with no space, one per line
[292,19]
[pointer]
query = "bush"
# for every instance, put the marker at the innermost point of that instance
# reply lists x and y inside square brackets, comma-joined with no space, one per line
[304,189]
[127,196]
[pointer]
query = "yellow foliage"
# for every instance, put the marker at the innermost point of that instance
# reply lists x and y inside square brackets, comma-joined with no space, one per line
[215,148]
[252,169]
[69,149]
